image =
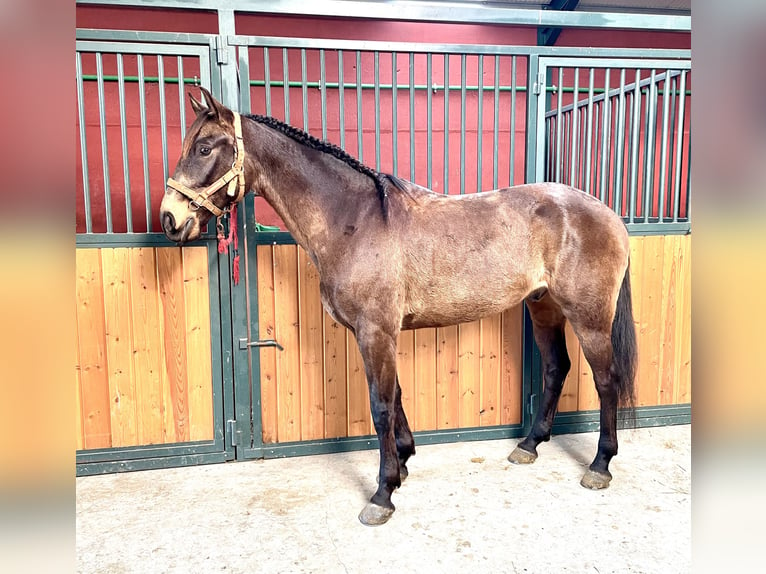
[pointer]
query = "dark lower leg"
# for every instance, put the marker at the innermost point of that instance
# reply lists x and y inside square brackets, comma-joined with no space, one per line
[389,479]
[607,441]
[405,443]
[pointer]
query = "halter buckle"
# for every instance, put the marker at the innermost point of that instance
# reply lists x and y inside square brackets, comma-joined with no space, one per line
[193,205]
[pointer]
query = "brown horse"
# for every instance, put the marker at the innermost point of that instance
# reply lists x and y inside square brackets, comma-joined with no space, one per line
[392,255]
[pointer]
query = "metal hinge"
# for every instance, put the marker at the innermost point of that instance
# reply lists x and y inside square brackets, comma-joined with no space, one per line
[221,50]
[539,85]
[531,403]
[235,433]
[244,344]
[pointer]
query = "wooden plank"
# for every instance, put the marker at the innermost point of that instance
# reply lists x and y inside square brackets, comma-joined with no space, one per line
[469,373]
[447,380]
[311,344]
[587,394]
[92,343]
[684,323]
[288,334]
[637,244]
[649,333]
[510,389]
[175,389]
[198,345]
[570,394]
[115,265]
[147,345]
[359,418]
[405,365]
[267,330]
[79,432]
[425,380]
[336,411]
[667,326]
[491,366]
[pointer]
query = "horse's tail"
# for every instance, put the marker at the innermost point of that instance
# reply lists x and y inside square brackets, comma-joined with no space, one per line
[624,348]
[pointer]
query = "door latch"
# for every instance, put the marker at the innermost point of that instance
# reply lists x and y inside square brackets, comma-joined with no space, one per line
[244,344]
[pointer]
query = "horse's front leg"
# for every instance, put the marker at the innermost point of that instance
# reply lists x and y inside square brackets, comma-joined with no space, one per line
[378,349]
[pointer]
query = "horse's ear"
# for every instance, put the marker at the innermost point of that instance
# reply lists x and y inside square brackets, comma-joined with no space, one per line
[196,105]
[214,107]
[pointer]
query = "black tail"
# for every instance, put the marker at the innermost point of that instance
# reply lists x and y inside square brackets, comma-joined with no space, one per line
[624,348]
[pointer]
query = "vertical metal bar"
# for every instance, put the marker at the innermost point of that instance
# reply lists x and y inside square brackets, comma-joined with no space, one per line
[619,146]
[634,146]
[671,145]
[181,102]
[376,71]
[666,97]
[575,128]
[304,91]
[341,97]
[558,124]
[446,123]
[412,116]
[244,79]
[394,117]
[83,144]
[495,119]
[104,150]
[267,79]
[323,92]
[537,73]
[566,142]
[687,204]
[589,140]
[629,97]
[286,84]
[513,122]
[605,129]
[596,172]
[144,142]
[124,137]
[429,128]
[680,143]
[480,122]
[359,128]
[651,126]
[163,115]
[462,123]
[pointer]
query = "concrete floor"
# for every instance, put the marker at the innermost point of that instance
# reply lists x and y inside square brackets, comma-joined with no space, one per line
[463,509]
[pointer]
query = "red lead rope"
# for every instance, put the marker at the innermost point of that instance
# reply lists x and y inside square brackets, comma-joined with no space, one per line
[224,242]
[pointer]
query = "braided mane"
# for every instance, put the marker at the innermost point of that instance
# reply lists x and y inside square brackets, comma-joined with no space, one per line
[381,180]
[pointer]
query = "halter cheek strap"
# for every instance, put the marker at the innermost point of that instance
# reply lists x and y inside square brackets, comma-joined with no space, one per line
[234,179]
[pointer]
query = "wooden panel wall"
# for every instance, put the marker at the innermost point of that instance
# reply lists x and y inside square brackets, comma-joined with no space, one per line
[455,377]
[143,367]
[660,274]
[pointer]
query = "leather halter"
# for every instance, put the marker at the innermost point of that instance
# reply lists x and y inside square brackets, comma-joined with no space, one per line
[234,178]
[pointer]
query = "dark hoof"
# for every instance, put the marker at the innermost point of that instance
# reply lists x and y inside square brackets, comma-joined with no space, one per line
[596,480]
[375,515]
[521,456]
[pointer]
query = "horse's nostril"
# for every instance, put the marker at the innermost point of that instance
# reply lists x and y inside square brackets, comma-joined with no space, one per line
[169,222]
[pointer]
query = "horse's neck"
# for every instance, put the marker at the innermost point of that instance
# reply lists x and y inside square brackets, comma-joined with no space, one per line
[311,191]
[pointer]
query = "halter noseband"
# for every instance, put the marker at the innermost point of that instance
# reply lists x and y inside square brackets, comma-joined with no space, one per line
[235,175]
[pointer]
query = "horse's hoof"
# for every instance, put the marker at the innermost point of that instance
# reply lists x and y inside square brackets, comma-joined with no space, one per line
[596,480]
[521,456]
[375,515]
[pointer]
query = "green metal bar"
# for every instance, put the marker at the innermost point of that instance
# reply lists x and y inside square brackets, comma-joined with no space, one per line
[94,240]
[323,92]
[634,147]
[605,129]
[412,117]
[429,130]
[664,151]
[495,120]
[620,147]
[304,92]
[575,135]
[376,70]
[249,408]
[83,144]
[181,101]
[144,142]
[512,146]
[341,98]
[462,123]
[480,125]
[559,126]
[163,117]
[180,79]
[394,117]
[651,127]
[104,148]
[244,73]
[679,145]
[124,139]
[286,84]
[267,79]
[359,125]
[446,125]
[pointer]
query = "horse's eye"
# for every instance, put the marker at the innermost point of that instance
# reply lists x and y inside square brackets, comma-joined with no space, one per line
[204,150]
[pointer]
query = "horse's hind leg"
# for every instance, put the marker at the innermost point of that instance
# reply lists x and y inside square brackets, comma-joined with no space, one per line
[548,327]
[405,442]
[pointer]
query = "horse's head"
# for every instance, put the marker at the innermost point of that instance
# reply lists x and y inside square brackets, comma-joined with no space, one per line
[209,176]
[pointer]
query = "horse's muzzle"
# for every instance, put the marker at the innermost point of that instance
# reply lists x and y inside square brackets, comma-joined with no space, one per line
[172,232]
